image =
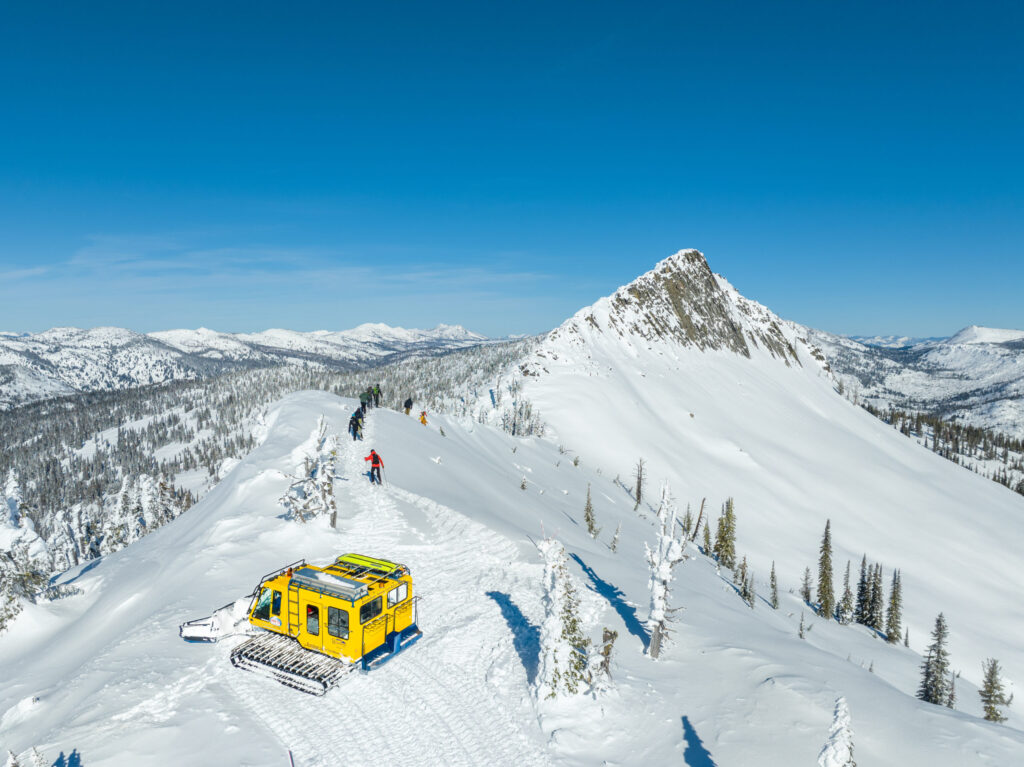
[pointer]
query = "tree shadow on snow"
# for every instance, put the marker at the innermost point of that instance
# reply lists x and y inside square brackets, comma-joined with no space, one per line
[695,755]
[72,760]
[616,600]
[525,636]
[94,563]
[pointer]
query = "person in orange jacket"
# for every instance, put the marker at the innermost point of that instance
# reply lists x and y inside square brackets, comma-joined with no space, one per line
[423,417]
[375,465]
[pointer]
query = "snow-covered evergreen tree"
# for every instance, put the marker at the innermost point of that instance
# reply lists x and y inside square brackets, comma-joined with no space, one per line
[845,608]
[774,585]
[588,516]
[935,669]
[563,658]
[826,594]
[861,611]
[311,494]
[725,536]
[599,664]
[876,599]
[747,585]
[806,585]
[706,548]
[668,552]
[614,545]
[838,750]
[992,692]
[24,558]
[894,615]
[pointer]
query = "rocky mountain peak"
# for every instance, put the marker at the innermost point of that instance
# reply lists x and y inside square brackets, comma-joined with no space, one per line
[683,301]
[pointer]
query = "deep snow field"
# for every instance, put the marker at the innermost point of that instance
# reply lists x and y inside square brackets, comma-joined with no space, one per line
[658,371]
[106,673]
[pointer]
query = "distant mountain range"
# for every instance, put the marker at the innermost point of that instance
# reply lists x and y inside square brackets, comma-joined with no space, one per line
[63,361]
[976,375]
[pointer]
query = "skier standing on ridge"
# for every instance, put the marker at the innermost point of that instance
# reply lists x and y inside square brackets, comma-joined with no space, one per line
[375,465]
[376,395]
[363,399]
[408,405]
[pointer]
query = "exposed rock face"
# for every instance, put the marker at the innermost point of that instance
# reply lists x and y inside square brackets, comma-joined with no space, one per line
[681,300]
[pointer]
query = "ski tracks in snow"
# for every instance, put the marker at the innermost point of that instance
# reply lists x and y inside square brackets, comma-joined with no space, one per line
[459,696]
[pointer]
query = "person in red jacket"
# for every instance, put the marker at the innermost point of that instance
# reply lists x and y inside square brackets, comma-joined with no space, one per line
[375,464]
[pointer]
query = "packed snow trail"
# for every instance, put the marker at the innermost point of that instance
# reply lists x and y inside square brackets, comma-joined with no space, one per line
[435,702]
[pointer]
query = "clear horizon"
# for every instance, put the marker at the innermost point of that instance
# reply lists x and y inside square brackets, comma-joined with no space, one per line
[242,167]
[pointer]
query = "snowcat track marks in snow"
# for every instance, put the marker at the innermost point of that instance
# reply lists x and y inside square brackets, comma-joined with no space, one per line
[286,661]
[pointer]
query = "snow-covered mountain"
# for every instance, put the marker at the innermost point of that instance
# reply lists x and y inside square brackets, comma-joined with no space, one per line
[721,399]
[68,360]
[975,376]
[766,427]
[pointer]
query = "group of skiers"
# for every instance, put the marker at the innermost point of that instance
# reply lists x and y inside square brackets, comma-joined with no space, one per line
[370,397]
[367,399]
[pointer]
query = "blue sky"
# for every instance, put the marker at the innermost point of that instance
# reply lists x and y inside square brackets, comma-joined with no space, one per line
[855,167]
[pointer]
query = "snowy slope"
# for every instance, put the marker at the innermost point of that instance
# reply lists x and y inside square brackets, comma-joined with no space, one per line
[105,672]
[771,432]
[66,360]
[721,398]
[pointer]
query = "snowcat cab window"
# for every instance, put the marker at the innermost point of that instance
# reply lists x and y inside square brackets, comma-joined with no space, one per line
[370,610]
[312,620]
[398,595]
[275,608]
[262,611]
[337,623]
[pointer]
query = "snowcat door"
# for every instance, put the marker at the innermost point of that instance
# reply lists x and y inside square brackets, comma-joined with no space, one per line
[374,624]
[266,613]
[335,638]
[312,626]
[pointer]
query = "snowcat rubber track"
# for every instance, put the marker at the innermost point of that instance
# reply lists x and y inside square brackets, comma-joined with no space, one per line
[283,659]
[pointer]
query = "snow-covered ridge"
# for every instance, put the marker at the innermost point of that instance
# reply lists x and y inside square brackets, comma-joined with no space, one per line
[979,335]
[67,360]
[105,672]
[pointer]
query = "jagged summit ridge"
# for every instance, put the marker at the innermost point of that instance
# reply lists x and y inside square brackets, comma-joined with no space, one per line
[682,301]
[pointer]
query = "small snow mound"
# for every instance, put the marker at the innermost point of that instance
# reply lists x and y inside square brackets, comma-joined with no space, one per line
[19,712]
[227,466]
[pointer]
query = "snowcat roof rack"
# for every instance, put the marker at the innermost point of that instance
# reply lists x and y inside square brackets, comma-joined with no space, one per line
[325,582]
[357,565]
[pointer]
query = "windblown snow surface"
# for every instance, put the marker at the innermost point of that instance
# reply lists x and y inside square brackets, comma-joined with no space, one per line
[105,673]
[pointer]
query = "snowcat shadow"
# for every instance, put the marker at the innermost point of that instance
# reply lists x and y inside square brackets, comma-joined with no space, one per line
[525,636]
[695,754]
[614,596]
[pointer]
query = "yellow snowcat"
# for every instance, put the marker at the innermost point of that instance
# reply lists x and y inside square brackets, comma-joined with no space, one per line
[321,623]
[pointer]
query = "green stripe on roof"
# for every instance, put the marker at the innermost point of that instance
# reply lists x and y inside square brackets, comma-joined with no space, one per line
[361,561]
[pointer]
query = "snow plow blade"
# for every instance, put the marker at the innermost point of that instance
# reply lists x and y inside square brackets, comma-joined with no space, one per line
[283,659]
[226,621]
